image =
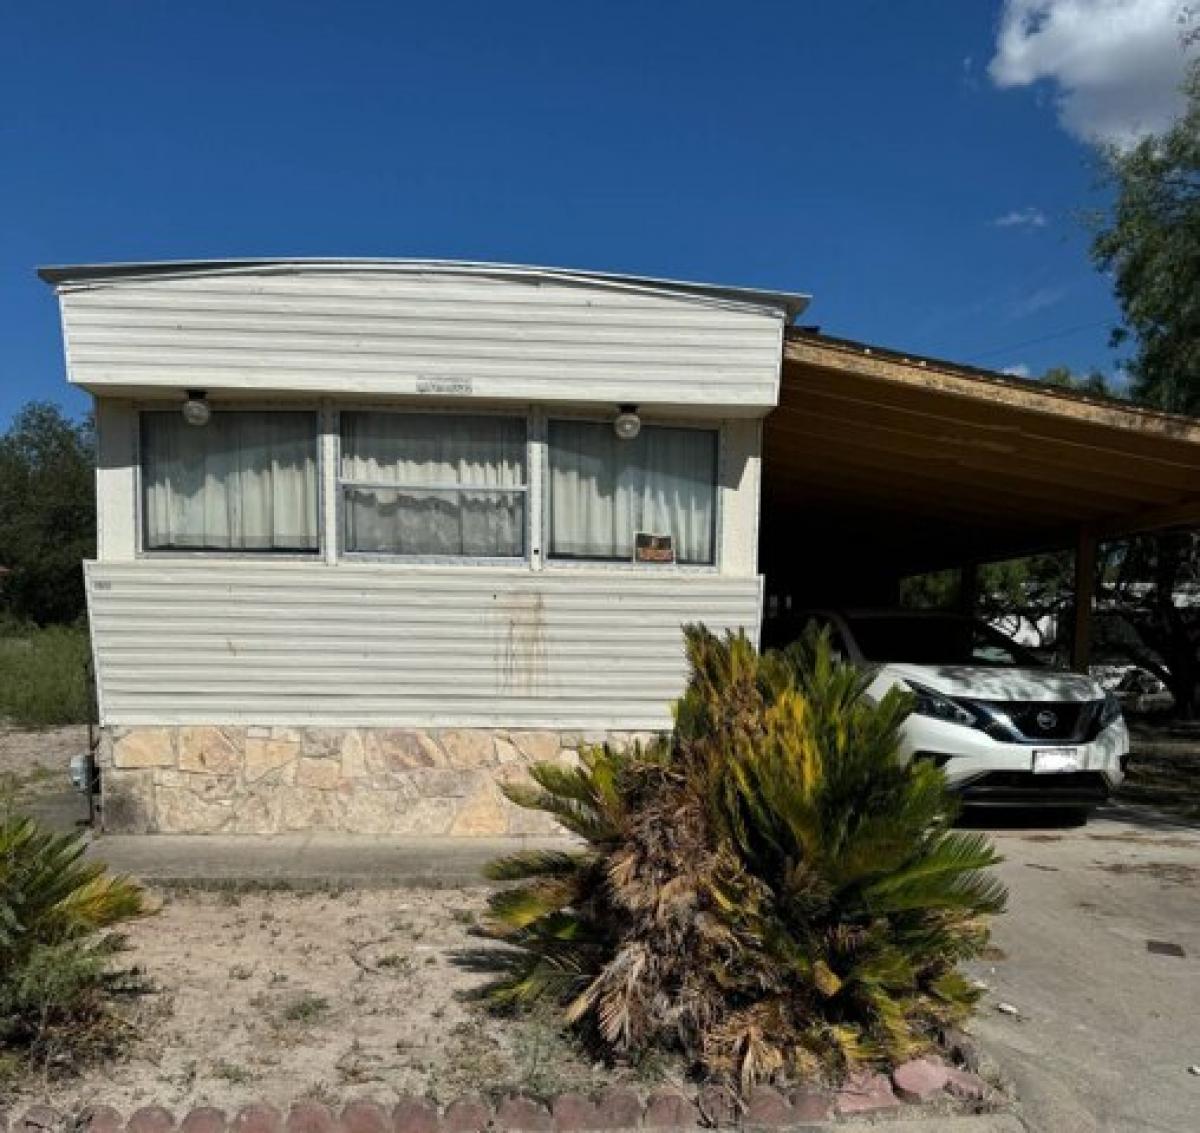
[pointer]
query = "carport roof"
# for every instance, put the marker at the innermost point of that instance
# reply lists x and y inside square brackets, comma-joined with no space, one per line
[945,464]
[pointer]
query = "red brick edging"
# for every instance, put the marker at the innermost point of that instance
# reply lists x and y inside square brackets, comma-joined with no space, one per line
[920,1081]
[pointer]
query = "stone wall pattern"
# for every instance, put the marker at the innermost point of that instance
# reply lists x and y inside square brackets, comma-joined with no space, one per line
[215,779]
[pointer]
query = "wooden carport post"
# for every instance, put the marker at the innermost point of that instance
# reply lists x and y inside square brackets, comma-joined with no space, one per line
[1085,592]
[968,588]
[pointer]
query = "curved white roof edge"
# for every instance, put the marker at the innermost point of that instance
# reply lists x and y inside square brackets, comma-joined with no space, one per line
[62,277]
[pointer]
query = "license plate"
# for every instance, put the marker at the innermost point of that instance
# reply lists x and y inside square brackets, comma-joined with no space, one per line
[1057,759]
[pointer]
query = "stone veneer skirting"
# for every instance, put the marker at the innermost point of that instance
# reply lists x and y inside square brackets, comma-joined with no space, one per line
[266,780]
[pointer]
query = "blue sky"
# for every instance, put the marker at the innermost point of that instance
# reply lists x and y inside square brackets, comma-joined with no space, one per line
[919,168]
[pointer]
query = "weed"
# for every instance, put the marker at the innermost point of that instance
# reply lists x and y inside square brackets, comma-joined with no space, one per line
[240,972]
[322,1092]
[306,1008]
[186,1078]
[43,680]
[396,962]
[232,1073]
[474,1063]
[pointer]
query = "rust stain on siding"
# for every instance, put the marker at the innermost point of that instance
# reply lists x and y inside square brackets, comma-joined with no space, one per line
[522,665]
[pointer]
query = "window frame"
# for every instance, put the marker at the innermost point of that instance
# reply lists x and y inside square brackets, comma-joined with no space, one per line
[705,426]
[142,551]
[340,484]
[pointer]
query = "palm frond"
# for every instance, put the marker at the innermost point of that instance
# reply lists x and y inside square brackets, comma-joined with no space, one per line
[772,890]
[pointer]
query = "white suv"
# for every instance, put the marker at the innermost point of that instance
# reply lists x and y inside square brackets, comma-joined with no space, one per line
[1006,730]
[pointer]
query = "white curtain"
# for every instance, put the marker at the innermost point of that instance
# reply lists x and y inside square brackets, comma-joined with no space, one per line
[604,490]
[459,484]
[246,481]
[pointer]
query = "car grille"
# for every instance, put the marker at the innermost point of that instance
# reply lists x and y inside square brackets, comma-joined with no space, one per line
[1023,788]
[1040,720]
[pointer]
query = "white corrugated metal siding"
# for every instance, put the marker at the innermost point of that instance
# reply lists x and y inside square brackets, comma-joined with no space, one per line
[292,643]
[348,330]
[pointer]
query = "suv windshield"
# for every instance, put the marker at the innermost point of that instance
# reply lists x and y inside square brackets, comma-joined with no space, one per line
[924,639]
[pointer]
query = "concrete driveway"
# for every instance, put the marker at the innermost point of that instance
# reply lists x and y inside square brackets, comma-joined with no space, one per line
[1089,953]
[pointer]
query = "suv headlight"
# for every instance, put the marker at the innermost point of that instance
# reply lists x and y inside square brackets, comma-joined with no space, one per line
[1110,711]
[930,702]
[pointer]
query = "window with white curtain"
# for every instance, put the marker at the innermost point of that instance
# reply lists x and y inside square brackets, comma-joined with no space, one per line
[246,481]
[434,484]
[603,491]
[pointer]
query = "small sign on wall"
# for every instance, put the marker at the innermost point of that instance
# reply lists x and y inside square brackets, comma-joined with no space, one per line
[445,385]
[649,548]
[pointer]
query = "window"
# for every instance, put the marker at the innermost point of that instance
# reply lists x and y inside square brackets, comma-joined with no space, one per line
[434,484]
[603,491]
[246,481]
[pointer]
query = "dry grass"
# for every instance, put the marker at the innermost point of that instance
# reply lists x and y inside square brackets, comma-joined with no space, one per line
[279,995]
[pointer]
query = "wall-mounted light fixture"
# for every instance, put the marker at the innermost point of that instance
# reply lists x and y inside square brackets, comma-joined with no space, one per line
[627,424]
[195,409]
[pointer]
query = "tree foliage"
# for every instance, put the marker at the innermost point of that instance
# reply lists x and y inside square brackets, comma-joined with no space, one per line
[1063,377]
[1146,605]
[1031,594]
[770,891]
[1151,245]
[47,514]
[1147,592]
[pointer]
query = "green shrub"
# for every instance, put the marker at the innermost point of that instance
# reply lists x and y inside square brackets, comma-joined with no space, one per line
[770,892]
[57,973]
[43,680]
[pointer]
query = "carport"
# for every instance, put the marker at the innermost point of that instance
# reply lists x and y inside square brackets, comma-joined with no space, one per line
[878,465]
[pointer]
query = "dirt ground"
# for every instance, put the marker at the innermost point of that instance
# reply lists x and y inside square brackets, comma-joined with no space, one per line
[33,771]
[277,995]
[280,995]
[40,757]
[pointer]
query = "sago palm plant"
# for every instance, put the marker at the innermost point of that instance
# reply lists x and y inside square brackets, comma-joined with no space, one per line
[770,891]
[56,955]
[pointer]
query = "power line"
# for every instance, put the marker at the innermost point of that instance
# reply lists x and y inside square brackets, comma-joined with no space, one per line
[1041,338]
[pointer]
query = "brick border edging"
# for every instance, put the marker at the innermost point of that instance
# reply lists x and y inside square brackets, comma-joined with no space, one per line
[912,1085]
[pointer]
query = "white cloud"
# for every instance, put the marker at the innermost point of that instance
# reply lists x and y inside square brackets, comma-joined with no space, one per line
[1017,370]
[1040,299]
[1021,218]
[1116,64]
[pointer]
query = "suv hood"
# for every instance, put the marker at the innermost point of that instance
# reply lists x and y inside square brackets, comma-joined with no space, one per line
[988,683]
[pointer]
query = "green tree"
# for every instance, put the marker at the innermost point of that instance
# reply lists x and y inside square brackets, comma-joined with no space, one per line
[47,514]
[1063,377]
[1146,587]
[1151,245]
[1032,593]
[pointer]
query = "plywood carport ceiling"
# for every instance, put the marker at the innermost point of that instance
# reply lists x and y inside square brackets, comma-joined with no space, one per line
[932,465]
